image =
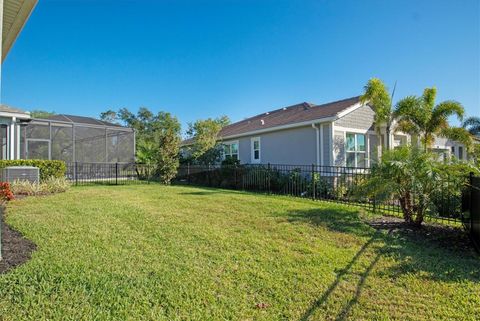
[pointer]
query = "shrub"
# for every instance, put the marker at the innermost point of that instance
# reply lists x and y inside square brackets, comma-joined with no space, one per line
[5,192]
[48,186]
[418,180]
[48,168]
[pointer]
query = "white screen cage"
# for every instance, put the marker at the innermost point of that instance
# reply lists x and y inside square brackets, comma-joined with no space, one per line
[77,139]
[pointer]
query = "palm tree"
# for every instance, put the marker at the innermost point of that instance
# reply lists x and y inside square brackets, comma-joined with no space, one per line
[376,94]
[472,124]
[421,117]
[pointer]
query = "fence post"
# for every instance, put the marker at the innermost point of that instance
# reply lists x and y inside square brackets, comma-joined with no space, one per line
[75,173]
[269,177]
[470,181]
[188,173]
[313,183]
[235,176]
[116,173]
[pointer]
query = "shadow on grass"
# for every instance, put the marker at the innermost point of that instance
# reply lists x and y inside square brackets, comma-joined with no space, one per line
[323,299]
[334,218]
[433,252]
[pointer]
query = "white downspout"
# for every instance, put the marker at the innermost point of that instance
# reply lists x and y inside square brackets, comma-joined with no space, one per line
[332,141]
[12,138]
[317,139]
[321,145]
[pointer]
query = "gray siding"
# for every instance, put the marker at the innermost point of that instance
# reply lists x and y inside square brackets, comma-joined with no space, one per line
[244,150]
[296,146]
[361,118]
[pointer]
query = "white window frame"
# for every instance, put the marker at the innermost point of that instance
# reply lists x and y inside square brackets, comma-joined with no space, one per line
[232,142]
[356,151]
[252,150]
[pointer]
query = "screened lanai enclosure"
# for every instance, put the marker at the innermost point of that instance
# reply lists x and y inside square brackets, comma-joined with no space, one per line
[76,139]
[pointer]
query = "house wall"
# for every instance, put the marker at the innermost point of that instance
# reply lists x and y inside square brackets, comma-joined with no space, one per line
[296,146]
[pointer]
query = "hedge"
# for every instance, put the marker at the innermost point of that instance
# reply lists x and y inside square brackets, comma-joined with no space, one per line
[48,168]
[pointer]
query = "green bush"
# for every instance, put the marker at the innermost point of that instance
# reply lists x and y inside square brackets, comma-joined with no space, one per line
[48,168]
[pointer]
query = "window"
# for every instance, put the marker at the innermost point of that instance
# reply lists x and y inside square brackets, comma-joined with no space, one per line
[230,150]
[255,142]
[355,150]
[460,152]
[453,151]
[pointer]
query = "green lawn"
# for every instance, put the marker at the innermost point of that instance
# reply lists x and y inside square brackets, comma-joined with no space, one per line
[150,252]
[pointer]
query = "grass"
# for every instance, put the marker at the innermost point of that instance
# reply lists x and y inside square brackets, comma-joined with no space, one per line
[150,252]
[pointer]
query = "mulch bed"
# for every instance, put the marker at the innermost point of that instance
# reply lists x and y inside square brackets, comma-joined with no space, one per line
[16,249]
[449,237]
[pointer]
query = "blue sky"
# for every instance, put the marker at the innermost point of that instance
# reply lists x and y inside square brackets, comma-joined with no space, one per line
[199,59]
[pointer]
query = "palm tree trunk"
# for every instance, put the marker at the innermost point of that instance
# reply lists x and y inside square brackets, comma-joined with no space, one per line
[387,142]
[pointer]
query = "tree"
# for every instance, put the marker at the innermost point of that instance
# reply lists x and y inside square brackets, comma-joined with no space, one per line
[421,117]
[205,137]
[109,116]
[409,175]
[376,94]
[472,124]
[168,131]
[38,113]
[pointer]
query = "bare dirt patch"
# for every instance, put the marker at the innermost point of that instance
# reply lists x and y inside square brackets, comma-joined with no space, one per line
[16,249]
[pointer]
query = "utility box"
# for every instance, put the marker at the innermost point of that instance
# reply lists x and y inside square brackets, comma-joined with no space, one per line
[20,173]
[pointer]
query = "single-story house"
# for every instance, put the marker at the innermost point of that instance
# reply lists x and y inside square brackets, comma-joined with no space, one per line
[339,133]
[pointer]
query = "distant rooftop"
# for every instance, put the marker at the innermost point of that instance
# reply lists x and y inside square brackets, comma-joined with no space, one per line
[9,109]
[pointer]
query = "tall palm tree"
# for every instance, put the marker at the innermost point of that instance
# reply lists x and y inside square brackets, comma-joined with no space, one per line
[472,124]
[420,116]
[377,95]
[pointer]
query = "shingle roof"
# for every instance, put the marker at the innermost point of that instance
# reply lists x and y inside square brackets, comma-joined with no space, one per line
[286,116]
[289,115]
[9,109]
[81,120]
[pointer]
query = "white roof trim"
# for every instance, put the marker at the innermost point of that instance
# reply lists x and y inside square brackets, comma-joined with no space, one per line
[16,115]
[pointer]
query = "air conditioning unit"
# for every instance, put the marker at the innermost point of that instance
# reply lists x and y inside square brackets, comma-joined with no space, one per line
[20,173]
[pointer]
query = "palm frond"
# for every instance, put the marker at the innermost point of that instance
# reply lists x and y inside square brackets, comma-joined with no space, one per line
[448,108]
[458,134]
[376,94]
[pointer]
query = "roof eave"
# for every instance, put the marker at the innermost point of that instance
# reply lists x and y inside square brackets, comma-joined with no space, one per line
[19,22]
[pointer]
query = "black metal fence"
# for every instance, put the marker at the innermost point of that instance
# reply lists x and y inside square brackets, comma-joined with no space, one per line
[107,173]
[331,183]
[473,206]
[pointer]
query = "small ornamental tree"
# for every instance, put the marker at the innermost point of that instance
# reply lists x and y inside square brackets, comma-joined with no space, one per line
[168,138]
[409,175]
[205,134]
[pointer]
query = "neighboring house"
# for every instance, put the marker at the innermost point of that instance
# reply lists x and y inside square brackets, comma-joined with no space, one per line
[339,133]
[64,137]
